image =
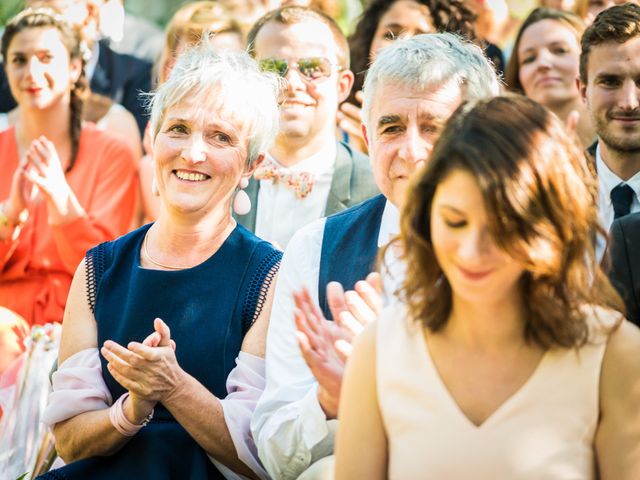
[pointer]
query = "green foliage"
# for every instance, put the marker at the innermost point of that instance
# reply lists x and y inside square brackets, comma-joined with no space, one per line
[8,8]
[23,476]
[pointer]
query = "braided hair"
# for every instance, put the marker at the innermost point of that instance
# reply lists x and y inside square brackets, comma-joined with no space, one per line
[448,16]
[45,17]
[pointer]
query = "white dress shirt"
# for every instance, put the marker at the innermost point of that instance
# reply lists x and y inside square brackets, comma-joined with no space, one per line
[607,181]
[280,213]
[289,427]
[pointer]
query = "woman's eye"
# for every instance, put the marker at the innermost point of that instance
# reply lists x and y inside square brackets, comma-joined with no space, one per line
[389,35]
[178,128]
[528,59]
[222,137]
[456,224]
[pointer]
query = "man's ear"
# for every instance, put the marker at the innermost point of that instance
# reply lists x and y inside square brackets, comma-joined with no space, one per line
[249,170]
[345,82]
[582,88]
[364,135]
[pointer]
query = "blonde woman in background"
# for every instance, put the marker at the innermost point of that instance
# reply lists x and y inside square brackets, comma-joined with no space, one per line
[544,67]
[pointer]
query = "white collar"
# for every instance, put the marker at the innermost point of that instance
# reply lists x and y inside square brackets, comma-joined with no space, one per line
[389,225]
[319,163]
[607,180]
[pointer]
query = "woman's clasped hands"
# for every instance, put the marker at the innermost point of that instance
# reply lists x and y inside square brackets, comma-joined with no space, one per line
[148,370]
[41,174]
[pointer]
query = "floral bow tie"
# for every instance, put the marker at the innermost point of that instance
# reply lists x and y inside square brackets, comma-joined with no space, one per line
[300,182]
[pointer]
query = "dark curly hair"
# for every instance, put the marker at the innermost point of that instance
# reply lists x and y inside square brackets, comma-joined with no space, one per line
[448,16]
[541,203]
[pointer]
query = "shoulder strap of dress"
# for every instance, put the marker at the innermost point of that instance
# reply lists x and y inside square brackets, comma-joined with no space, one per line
[259,284]
[96,261]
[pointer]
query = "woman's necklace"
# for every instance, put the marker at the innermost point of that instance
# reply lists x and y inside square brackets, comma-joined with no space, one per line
[145,248]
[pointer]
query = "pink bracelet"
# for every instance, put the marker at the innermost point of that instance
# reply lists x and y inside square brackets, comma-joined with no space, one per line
[121,423]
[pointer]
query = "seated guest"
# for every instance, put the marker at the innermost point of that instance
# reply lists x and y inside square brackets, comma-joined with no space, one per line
[307,174]
[506,348]
[184,30]
[624,257]
[544,67]
[117,76]
[609,70]
[383,22]
[411,90]
[65,186]
[205,280]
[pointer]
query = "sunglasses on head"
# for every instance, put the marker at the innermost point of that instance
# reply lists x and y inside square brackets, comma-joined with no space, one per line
[311,68]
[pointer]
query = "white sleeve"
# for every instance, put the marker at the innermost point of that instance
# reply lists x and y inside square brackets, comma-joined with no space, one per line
[245,384]
[78,387]
[289,427]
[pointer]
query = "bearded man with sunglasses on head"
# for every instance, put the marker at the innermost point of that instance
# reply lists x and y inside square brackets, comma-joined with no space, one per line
[308,174]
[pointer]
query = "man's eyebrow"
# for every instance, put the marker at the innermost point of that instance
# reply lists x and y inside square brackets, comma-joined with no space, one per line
[387,119]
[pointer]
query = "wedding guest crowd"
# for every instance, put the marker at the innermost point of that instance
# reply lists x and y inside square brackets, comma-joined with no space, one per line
[288,243]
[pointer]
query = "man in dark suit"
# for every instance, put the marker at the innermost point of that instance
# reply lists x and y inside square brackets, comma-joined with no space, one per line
[609,69]
[307,174]
[625,263]
[117,76]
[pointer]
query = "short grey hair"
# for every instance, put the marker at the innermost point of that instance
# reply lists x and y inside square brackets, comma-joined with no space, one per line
[231,81]
[430,61]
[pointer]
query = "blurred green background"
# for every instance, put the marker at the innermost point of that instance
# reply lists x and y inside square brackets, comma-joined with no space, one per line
[8,8]
[158,11]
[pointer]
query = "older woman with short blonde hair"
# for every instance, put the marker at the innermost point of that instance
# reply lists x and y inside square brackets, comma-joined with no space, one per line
[170,320]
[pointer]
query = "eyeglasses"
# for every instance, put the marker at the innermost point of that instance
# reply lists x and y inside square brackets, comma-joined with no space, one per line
[311,68]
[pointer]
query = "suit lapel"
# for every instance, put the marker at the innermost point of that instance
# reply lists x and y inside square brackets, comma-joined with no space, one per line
[340,191]
[249,220]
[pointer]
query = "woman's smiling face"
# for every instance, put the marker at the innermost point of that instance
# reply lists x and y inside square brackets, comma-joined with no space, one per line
[200,154]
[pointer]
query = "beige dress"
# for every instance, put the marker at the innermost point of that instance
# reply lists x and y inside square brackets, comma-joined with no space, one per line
[544,431]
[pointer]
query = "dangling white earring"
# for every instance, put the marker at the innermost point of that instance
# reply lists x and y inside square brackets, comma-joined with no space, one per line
[154,187]
[242,202]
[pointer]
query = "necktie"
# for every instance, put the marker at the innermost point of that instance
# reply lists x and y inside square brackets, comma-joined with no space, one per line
[621,198]
[300,182]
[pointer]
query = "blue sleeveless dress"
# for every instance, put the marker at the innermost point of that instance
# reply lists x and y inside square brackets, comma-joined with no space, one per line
[209,308]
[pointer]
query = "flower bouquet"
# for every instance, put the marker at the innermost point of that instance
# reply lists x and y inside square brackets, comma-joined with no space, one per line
[26,444]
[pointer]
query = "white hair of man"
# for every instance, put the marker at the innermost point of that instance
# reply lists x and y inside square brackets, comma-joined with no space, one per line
[427,62]
[228,82]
